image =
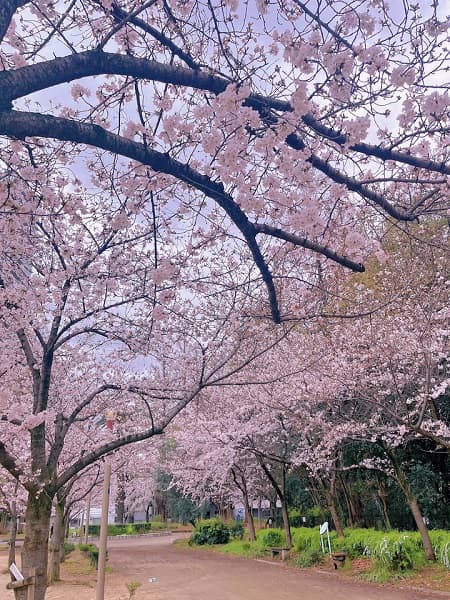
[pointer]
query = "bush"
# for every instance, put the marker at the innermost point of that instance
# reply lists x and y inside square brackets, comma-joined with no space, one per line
[68,548]
[304,538]
[212,531]
[310,557]
[91,551]
[236,530]
[94,530]
[441,544]
[271,537]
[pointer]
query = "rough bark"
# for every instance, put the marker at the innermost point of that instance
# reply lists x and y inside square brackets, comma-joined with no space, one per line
[412,503]
[120,501]
[280,491]
[12,534]
[55,544]
[330,495]
[35,547]
[382,496]
[249,517]
[239,479]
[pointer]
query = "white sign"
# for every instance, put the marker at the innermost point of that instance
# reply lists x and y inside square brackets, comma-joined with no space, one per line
[15,572]
[323,528]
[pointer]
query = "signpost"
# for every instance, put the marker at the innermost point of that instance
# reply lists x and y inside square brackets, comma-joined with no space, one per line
[109,416]
[325,529]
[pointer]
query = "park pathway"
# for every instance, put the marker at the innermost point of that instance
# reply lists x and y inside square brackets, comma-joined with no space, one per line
[185,574]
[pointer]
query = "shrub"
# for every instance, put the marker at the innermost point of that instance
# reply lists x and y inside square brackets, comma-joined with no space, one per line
[68,548]
[94,530]
[441,544]
[212,531]
[310,557]
[304,538]
[236,530]
[398,553]
[142,527]
[91,550]
[271,537]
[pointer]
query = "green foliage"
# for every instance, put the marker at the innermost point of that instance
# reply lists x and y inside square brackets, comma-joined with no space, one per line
[91,550]
[132,587]
[394,550]
[68,548]
[160,525]
[268,538]
[129,528]
[295,517]
[426,486]
[241,548]
[357,542]
[305,538]
[212,531]
[215,531]
[310,557]
[236,530]
[94,530]
[397,554]
[441,544]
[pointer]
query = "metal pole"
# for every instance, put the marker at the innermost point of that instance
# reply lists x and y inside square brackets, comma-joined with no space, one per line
[103,533]
[88,518]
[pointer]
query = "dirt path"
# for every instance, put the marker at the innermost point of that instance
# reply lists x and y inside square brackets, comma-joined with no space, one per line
[184,574]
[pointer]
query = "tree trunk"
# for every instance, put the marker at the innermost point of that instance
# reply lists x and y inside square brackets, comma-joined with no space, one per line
[147,512]
[248,512]
[334,512]
[55,543]
[287,527]
[13,534]
[88,518]
[330,495]
[35,547]
[280,492]
[382,497]
[64,536]
[412,503]
[120,500]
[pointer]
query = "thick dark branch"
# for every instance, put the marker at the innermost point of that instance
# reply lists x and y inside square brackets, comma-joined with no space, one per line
[88,400]
[26,80]
[95,455]
[383,154]
[22,124]
[32,78]
[350,183]
[305,243]
[8,462]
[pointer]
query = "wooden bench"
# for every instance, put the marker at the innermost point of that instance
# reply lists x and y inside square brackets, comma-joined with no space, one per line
[27,584]
[284,552]
[338,558]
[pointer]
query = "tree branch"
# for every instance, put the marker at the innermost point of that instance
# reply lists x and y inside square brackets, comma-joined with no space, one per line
[305,243]
[22,124]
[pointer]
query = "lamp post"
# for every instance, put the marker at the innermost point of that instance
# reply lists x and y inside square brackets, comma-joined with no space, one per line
[110,416]
[88,518]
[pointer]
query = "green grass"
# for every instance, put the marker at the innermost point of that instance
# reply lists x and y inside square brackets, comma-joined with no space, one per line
[242,548]
[395,554]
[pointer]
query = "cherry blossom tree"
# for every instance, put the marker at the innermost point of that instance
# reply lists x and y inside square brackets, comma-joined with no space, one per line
[84,333]
[173,169]
[301,123]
